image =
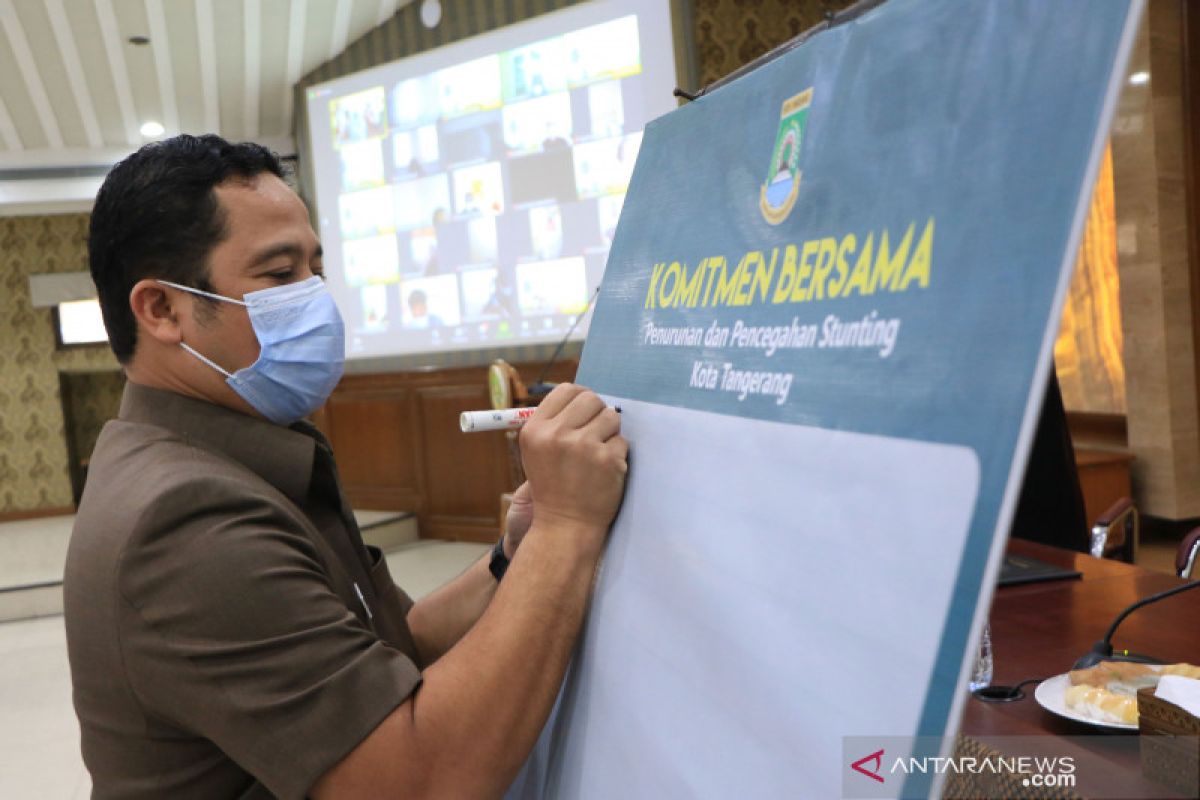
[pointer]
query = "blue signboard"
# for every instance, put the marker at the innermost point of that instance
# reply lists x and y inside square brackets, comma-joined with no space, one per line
[828,316]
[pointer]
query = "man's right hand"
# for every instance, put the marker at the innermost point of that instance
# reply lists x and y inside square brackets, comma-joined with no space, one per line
[486,700]
[575,459]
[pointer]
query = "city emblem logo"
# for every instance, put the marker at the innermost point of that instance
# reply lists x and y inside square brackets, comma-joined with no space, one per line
[778,194]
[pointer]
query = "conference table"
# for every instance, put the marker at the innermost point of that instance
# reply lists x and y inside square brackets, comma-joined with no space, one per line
[1039,629]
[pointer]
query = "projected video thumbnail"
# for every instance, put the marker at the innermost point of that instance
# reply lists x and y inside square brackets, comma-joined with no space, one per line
[479,189]
[421,202]
[605,166]
[374,300]
[606,103]
[362,165]
[541,124]
[482,244]
[608,209]
[546,231]
[471,139]
[423,251]
[367,213]
[430,302]
[603,52]
[416,150]
[481,295]
[543,176]
[534,70]
[359,116]
[372,260]
[469,87]
[552,287]
[415,102]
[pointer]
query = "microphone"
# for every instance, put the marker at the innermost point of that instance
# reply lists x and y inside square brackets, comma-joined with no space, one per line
[1103,649]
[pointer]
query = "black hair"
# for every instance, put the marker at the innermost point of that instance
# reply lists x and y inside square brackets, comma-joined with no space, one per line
[157,216]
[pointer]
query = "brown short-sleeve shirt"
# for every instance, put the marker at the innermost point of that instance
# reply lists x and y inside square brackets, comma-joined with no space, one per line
[229,634]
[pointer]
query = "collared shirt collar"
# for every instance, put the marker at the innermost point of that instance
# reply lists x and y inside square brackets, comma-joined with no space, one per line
[281,456]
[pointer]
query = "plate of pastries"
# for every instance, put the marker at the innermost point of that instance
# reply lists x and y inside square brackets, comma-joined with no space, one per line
[1105,695]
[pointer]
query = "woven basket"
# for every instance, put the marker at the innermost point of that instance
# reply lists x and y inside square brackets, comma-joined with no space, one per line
[1170,743]
[972,786]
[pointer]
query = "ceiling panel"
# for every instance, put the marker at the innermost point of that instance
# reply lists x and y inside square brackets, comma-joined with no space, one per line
[252,82]
[51,73]
[273,43]
[118,69]
[318,32]
[210,94]
[164,72]
[141,72]
[10,142]
[17,101]
[64,47]
[227,26]
[362,18]
[85,26]
[184,49]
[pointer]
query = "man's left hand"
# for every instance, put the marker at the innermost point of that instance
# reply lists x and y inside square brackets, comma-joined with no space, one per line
[520,517]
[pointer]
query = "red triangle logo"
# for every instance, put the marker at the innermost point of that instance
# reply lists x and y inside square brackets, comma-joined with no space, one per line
[877,758]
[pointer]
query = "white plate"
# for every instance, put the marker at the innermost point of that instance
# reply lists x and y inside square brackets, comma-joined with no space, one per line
[1051,694]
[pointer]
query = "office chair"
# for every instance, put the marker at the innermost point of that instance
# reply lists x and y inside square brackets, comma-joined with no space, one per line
[1115,533]
[1188,554]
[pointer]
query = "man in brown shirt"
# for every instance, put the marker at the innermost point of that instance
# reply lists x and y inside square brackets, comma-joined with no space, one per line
[229,634]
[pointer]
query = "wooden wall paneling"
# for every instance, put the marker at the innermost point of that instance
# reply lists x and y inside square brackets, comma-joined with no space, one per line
[1099,431]
[36,513]
[464,474]
[1190,36]
[399,447]
[371,424]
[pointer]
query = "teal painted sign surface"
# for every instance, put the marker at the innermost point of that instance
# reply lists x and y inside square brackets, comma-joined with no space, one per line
[855,250]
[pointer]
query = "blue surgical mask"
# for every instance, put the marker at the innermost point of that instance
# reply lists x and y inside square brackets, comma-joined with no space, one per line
[303,349]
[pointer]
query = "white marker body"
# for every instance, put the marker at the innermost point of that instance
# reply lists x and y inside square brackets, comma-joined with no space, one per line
[501,420]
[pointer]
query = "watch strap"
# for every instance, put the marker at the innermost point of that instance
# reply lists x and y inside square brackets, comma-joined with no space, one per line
[499,563]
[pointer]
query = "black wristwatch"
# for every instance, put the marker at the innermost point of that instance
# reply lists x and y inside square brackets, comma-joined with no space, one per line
[499,562]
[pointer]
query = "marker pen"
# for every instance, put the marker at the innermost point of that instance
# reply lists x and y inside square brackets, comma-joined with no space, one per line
[506,419]
[499,420]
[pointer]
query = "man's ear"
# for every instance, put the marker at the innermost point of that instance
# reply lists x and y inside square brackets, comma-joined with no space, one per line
[156,309]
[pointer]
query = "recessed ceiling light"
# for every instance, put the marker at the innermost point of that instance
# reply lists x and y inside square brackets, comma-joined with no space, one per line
[152,129]
[431,13]
[1138,78]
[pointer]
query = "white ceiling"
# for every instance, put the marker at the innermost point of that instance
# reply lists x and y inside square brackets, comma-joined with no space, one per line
[74,91]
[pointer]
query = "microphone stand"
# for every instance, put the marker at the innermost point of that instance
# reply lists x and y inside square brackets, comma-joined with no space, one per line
[1103,649]
[539,388]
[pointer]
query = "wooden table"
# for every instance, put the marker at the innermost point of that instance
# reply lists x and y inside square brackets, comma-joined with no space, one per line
[1039,629]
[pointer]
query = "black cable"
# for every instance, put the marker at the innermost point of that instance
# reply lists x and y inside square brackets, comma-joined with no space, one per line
[1154,598]
[1026,682]
[563,343]
[1003,694]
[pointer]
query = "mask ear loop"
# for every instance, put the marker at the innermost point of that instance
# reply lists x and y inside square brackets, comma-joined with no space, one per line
[183,288]
[222,298]
[208,361]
